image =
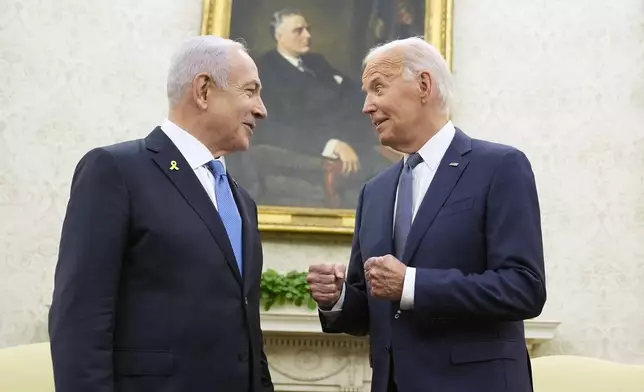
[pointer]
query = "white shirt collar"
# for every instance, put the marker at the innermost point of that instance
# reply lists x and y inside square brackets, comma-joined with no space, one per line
[293,60]
[434,149]
[195,152]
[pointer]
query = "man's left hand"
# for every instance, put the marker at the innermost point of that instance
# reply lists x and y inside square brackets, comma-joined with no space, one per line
[385,277]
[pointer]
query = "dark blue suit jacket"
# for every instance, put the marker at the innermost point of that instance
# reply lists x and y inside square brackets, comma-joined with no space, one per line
[476,244]
[148,296]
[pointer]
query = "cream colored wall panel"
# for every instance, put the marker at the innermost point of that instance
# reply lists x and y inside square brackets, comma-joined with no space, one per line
[73,74]
[564,81]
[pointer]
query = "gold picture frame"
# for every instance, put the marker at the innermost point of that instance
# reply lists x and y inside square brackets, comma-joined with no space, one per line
[438,24]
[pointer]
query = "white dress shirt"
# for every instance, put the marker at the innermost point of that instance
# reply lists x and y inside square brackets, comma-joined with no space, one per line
[432,153]
[197,155]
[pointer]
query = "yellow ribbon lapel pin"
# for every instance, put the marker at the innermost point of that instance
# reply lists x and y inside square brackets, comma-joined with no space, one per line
[173,165]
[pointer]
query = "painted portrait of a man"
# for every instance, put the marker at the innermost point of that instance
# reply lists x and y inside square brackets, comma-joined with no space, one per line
[316,148]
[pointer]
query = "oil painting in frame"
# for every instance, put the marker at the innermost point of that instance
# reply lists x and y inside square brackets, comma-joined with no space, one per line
[299,184]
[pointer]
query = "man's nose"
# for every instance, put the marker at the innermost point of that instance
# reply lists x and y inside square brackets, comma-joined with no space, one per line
[368,106]
[259,111]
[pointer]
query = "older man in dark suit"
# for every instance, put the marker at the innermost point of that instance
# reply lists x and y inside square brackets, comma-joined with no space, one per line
[447,257]
[313,106]
[157,282]
[314,114]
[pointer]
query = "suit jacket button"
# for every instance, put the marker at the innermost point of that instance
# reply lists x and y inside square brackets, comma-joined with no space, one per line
[246,301]
[243,356]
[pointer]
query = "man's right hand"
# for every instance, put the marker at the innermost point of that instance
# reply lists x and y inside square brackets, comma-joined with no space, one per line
[348,157]
[325,282]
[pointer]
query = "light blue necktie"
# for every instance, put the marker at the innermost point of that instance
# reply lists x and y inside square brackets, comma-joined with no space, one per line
[404,205]
[228,209]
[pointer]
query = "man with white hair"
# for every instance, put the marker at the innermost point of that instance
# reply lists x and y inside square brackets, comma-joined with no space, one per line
[160,260]
[447,257]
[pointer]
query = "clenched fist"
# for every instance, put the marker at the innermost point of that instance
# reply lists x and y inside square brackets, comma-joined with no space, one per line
[325,282]
[385,277]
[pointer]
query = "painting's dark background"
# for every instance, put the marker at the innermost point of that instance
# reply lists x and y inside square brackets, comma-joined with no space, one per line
[342,31]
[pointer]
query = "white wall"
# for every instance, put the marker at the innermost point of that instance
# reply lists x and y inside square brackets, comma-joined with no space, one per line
[73,74]
[564,81]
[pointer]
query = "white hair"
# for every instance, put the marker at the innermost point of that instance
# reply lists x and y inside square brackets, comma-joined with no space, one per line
[420,56]
[205,53]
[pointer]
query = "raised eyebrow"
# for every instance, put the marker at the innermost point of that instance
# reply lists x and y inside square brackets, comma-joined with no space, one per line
[372,83]
[256,84]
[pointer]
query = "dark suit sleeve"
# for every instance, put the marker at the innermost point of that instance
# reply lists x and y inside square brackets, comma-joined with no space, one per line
[352,97]
[513,286]
[354,317]
[283,128]
[289,123]
[93,241]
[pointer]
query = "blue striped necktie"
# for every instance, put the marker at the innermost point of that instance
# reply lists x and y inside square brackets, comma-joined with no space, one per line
[404,205]
[227,209]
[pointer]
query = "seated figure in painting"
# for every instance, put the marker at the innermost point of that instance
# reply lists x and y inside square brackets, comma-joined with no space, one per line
[316,146]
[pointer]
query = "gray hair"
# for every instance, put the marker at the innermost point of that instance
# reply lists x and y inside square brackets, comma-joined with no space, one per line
[278,18]
[205,53]
[420,56]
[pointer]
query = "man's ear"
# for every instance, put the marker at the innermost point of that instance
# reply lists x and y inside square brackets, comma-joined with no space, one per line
[200,89]
[425,85]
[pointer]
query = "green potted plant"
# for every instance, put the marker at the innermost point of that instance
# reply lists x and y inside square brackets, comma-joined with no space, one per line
[290,290]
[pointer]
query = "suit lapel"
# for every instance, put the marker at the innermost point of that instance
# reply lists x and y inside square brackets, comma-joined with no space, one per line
[187,183]
[247,233]
[390,181]
[447,175]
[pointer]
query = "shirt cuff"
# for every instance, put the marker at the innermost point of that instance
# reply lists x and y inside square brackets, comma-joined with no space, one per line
[329,149]
[407,298]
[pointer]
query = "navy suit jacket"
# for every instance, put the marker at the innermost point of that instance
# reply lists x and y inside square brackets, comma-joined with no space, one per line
[148,295]
[477,248]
